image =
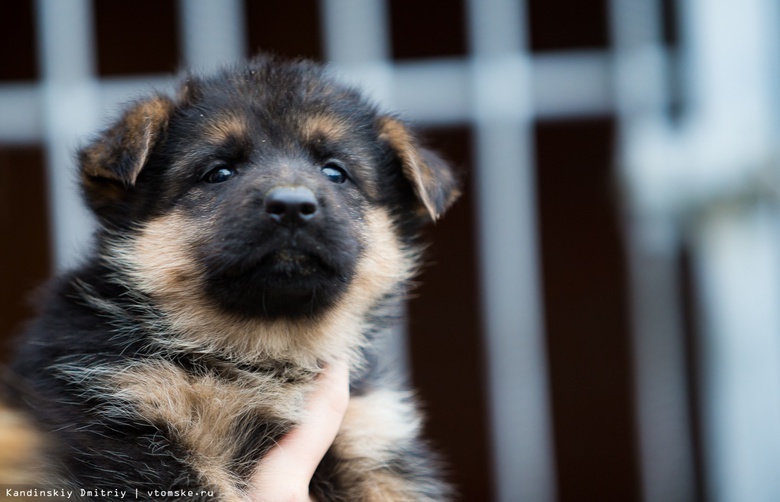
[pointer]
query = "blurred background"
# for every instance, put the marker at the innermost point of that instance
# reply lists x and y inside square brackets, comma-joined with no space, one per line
[600,320]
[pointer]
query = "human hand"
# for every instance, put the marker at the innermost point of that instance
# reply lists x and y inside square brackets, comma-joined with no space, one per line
[283,475]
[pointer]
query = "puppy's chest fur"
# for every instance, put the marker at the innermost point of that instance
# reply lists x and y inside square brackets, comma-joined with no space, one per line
[213,414]
[198,399]
[225,415]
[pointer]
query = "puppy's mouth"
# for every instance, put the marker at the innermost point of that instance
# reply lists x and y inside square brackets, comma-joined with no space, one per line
[294,263]
[280,275]
[281,283]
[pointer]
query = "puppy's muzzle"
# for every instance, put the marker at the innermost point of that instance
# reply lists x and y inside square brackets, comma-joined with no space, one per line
[291,206]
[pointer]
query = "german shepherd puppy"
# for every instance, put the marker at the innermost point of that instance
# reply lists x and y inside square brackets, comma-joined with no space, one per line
[257,225]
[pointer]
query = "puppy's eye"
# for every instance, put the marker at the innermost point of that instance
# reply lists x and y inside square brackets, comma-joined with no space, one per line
[219,174]
[335,172]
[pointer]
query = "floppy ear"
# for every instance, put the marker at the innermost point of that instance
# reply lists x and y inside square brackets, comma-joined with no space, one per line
[112,162]
[431,177]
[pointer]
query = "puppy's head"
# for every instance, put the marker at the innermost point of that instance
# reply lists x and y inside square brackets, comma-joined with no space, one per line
[268,191]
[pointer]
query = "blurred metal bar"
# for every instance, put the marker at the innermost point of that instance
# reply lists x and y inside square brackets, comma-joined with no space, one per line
[561,86]
[732,53]
[213,33]
[505,194]
[571,84]
[738,257]
[729,57]
[22,118]
[356,37]
[665,446]
[432,93]
[70,112]
[356,32]
[717,168]
[666,461]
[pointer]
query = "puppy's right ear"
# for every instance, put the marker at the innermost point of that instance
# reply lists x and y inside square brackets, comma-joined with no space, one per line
[111,164]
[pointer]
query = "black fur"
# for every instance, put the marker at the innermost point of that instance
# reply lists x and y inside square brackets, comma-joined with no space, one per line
[270,124]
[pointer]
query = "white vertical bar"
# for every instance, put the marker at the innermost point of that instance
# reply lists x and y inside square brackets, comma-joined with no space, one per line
[666,453]
[355,31]
[723,150]
[22,117]
[739,272]
[665,447]
[732,63]
[70,115]
[357,42]
[639,58]
[213,33]
[505,190]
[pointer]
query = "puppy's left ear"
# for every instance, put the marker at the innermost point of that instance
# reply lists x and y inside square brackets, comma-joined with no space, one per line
[110,165]
[122,150]
[434,182]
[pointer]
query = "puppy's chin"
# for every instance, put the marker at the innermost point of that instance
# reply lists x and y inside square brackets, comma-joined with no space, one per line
[285,284]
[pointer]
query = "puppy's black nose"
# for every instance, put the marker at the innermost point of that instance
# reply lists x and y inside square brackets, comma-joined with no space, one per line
[291,206]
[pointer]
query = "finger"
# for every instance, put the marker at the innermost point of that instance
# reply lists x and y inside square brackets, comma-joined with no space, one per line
[308,443]
[292,462]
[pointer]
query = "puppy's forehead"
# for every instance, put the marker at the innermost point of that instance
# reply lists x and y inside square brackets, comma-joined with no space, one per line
[263,120]
[217,127]
[228,113]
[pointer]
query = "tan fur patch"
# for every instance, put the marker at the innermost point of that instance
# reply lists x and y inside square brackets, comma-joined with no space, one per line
[21,447]
[326,127]
[375,427]
[162,266]
[225,127]
[201,411]
[381,486]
